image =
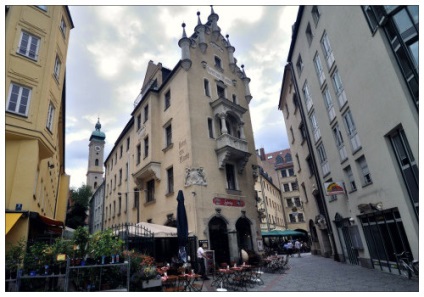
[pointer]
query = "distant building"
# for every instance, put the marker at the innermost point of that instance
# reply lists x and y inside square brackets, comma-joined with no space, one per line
[269,203]
[350,102]
[36,185]
[190,130]
[96,149]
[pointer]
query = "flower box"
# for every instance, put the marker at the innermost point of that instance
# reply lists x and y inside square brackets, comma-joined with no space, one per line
[151,283]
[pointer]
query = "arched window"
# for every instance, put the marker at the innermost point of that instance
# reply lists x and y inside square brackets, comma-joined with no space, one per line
[279,159]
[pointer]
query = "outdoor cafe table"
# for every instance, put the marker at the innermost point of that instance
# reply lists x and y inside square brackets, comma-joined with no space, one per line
[222,278]
[189,280]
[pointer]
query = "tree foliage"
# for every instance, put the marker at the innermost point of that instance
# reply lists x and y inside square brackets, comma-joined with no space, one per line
[78,213]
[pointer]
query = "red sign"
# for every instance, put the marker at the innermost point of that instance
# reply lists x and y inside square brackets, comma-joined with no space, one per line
[228,202]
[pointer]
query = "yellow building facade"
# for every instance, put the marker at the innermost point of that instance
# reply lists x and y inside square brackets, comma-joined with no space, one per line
[36,185]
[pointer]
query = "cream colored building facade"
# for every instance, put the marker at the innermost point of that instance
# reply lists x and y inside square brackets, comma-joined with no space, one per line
[352,111]
[190,130]
[36,185]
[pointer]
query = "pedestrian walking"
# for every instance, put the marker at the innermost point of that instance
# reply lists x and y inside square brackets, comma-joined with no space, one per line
[290,248]
[298,246]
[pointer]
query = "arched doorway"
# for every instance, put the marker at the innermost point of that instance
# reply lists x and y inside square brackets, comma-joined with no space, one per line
[244,235]
[218,235]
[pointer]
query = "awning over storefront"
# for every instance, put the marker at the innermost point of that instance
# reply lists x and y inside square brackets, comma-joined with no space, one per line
[53,226]
[11,219]
[287,232]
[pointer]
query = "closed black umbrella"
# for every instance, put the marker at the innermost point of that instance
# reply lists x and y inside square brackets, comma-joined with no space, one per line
[182,227]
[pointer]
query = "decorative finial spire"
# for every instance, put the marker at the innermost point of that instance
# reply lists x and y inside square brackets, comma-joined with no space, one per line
[198,18]
[184,32]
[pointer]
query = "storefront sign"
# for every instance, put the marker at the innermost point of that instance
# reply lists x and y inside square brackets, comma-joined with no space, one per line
[334,188]
[228,202]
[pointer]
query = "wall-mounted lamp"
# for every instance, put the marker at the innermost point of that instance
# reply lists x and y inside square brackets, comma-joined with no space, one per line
[352,220]
[51,166]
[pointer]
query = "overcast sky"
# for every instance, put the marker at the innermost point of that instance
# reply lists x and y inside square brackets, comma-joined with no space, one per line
[111,46]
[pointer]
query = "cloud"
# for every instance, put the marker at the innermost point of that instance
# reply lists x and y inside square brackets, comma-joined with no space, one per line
[110,48]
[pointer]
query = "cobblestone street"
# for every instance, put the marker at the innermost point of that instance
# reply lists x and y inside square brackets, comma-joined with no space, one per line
[318,274]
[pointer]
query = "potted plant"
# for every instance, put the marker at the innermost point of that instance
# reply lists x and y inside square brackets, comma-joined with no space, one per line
[62,248]
[14,258]
[104,244]
[81,239]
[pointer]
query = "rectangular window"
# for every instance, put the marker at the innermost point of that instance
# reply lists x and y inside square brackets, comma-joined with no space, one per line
[309,34]
[349,175]
[63,27]
[170,174]
[138,154]
[328,52]
[167,100]
[283,173]
[315,14]
[221,91]
[19,99]
[150,191]
[29,45]
[146,113]
[231,177]
[136,198]
[57,65]
[338,86]
[315,128]
[120,176]
[339,142]
[210,128]
[310,166]
[218,62]
[168,134]
[329,104]
[299,65]
[318,69]
[291,170]
[126,171]
[119,204]
[325,166]
[407,163]
[294,186]
[234,99]
[351,131]
[50,117]
[121,148]
[128,144]
[138,122]
[307,96]
[206,87]
[286,187]
[366,176]
[146,147]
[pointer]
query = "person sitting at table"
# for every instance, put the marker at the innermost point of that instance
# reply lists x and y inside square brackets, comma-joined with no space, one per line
[201,255]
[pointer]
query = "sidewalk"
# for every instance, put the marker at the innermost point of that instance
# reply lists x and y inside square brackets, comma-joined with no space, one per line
[311,273]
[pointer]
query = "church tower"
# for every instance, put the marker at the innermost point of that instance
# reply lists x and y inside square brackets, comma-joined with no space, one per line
[95,157]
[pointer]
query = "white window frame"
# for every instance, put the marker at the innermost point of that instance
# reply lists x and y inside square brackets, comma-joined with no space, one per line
[338,137]
[50,117]
[19,98]
[328,52]
[319,70]
[307,95]
[328,101]
[338,87]
[365,172]
[351,178]
[63,27]
[315,128]
[323,159]
[351,131]
[57,66]
[28,50]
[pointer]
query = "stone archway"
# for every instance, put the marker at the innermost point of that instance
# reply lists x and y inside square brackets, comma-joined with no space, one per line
[218,236]
[244,234]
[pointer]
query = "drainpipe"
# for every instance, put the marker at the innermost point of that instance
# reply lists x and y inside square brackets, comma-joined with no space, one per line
[314,164]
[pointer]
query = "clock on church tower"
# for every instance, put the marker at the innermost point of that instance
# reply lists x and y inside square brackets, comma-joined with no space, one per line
[96,157]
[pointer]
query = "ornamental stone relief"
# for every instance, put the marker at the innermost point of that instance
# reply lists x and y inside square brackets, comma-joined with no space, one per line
[195,176]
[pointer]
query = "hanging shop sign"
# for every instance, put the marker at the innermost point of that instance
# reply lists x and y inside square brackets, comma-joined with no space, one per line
[334,188]
[228,202]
